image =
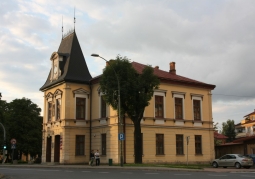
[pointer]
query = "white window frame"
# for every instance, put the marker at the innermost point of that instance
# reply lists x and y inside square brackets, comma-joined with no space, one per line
[60,101]
[49,98]
[160,93]
[175,95]
[107,106]
[86,104]
[201,107]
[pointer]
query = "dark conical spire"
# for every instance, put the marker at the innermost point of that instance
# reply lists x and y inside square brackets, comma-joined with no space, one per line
[74,19]
[73,67]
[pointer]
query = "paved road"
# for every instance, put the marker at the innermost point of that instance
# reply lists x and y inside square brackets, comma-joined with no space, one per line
[100,173]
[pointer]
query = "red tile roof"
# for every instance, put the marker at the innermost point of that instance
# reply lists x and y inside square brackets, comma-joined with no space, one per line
[167,77]
[250,114]
[219,136]
[170,77]
[229,143]
[244,139]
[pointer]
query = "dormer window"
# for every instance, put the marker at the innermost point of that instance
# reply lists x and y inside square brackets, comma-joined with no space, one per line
[55,70]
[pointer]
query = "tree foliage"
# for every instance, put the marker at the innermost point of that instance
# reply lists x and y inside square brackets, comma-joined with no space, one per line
[23,122]
[228,129]
[136,91]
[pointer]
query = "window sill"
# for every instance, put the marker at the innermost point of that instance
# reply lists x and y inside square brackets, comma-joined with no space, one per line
[181,155]
[159,118]
[198,154]
[160,155]
[179,120]
[197,121]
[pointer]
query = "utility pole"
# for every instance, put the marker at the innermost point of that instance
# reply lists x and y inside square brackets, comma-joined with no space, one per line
[187,138]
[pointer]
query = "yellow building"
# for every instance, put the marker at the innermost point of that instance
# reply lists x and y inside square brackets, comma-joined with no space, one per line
[177,125]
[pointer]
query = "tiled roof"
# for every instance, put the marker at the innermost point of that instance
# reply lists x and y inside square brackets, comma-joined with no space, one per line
[172,78]
[229,143]
[244,139]
[250,114]
[219,136]
[73,66]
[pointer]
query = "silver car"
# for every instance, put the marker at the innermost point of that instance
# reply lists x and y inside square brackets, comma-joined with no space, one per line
[233,160]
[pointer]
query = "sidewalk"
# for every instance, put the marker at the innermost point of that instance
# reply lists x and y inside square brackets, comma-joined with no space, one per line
[220,169]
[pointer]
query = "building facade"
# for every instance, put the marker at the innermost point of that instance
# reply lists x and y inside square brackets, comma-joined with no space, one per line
[177,125]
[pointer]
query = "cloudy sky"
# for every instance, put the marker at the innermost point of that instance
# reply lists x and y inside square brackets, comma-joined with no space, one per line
[212,41]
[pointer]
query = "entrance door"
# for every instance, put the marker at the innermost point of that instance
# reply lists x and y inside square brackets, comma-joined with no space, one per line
[57,148]
[48,150]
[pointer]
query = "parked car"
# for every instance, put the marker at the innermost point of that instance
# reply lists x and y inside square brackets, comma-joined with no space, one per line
[251,156]
[233,160]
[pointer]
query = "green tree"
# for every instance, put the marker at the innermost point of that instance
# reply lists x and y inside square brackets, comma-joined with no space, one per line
[228,129]
[24,123]
[136,91]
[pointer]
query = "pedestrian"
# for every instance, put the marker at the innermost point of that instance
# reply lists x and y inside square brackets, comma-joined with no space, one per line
[92,156]
[97,156]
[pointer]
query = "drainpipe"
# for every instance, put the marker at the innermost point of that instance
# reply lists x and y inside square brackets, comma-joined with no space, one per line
[90,126]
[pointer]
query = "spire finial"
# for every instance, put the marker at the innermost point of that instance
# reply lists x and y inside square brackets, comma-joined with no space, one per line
[62,27]
[74,18]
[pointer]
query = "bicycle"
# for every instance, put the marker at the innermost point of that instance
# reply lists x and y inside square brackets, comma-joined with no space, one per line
[91,161]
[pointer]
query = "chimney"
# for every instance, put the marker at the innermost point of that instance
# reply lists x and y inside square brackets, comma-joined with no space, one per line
[156,67]
[172,68]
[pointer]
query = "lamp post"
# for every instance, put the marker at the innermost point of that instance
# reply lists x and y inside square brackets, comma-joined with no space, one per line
[120,119]
[187,138]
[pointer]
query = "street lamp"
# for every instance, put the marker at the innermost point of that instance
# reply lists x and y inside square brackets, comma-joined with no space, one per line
[187,138]
[120,120]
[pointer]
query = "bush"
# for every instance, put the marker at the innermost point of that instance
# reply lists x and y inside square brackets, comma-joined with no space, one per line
[21,162]
[38,160]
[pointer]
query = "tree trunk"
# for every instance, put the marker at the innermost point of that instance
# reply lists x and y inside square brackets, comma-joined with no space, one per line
[138,142]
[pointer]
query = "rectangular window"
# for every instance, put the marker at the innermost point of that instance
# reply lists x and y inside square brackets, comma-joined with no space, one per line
[159,144]
[52,110]
[58,109]
[198,144]
[103,140]
[178,108]
[141,143]
[80,108]
[179,144]
[49,110]
[159,106]
[80,145]
[103,108]
[196,110]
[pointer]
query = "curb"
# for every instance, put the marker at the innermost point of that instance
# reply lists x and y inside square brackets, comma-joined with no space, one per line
[105,167]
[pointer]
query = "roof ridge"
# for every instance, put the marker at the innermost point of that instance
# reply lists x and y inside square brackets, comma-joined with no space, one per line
[169,76]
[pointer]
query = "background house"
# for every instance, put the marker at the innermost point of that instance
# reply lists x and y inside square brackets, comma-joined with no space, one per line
[245,138]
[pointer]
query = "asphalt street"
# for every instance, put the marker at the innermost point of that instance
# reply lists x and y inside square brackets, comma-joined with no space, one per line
[11,172]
